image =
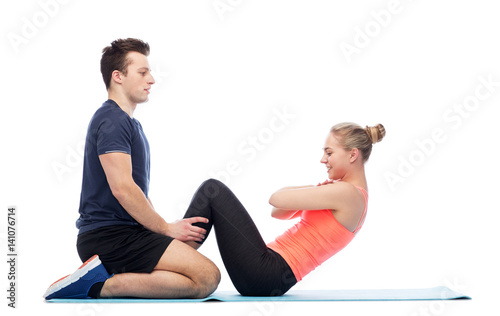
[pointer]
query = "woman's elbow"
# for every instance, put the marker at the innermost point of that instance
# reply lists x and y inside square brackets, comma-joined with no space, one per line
[277,213]
[273,200]
[273,213]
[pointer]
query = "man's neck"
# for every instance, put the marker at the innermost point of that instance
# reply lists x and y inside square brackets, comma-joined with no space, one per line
[123,102]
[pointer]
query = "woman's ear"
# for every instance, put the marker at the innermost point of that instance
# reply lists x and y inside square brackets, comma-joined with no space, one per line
[354,155]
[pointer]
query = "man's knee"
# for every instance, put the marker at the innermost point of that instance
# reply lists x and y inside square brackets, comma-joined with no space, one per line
[181,258]
[207,280]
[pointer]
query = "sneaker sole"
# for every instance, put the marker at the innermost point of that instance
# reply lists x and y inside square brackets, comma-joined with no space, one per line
[72,278]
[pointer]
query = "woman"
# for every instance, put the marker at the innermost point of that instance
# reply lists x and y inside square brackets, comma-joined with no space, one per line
[331,214]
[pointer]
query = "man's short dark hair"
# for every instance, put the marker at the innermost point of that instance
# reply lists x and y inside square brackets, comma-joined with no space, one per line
[114,57]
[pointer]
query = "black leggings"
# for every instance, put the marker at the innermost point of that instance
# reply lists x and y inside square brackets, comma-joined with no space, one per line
[254,269]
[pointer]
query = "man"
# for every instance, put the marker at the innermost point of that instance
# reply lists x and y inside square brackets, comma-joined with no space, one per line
[129,249]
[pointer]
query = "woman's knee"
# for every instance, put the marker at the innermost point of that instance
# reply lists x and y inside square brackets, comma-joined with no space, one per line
[208,191]
[211,187]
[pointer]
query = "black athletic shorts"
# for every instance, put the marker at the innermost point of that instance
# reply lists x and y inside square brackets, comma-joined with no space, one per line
[123,248]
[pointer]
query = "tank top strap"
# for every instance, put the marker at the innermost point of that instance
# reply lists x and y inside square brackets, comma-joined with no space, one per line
[362,219]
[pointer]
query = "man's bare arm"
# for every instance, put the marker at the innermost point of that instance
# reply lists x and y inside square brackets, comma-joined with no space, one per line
[118,169]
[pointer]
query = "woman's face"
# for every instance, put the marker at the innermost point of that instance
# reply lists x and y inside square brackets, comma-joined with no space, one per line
[335,158]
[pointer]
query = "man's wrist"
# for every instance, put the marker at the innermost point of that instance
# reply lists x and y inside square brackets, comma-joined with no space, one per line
[165,229]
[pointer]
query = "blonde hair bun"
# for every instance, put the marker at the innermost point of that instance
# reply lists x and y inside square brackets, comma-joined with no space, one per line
[375,133]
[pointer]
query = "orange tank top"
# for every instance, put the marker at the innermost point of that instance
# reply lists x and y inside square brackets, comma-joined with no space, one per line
[314,239]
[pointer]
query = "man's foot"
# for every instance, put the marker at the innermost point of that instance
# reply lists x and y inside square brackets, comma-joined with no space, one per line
[78,284]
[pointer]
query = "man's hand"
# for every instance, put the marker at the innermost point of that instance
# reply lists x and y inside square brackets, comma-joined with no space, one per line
[183,230]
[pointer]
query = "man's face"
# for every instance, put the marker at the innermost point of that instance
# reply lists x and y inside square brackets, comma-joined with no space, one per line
[138,81]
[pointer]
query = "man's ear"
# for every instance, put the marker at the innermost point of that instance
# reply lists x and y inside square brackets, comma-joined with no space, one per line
[354,155]
[117,76]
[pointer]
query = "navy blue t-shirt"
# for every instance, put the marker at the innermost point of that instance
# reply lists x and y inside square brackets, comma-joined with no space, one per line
[110,130]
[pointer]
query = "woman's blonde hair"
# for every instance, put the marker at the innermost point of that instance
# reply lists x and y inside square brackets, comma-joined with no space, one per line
[351,135]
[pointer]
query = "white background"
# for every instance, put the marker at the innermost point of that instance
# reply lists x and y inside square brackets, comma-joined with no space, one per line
[223,70]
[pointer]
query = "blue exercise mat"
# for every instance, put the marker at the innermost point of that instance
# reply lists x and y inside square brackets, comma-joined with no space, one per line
[436,293]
